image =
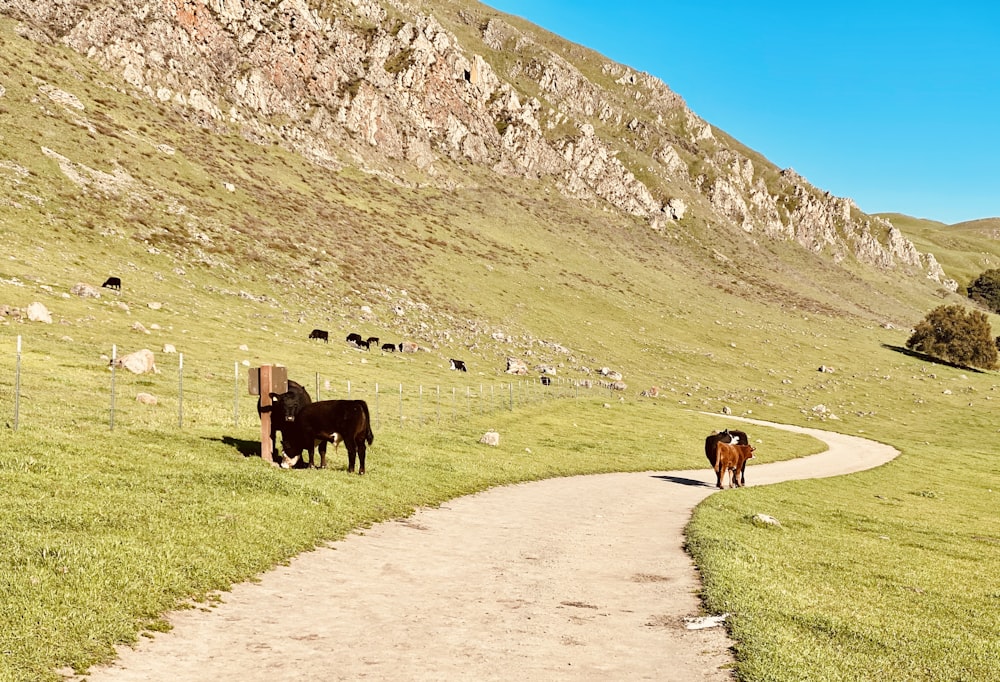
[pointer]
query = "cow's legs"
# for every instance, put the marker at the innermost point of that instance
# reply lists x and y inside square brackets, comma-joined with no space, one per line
[361,455]
[322,454]
[352,453]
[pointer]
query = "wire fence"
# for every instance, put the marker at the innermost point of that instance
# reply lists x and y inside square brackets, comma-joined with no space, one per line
[125,400]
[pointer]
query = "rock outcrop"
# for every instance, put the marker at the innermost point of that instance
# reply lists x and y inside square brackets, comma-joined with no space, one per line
[384,83]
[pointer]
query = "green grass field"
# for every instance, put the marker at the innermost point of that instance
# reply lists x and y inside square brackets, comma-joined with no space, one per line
[890,574]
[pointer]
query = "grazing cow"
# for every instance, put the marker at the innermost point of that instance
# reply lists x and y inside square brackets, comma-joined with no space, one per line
[284,408]
[389,347]
[354,338]
[328,421]
[731,458]
[372,342]
[113,283]
[546,381]
[320,334]
[459,365]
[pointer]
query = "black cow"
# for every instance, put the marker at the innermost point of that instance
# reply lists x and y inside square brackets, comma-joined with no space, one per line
[389,347]
[372,342]
[320,334]
[328,421]
[546,381]
[285,408]
[459,365]
[356,340]
[113,283]
[732,437]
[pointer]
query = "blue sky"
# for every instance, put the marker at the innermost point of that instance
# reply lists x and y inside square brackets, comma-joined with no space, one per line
[894,104]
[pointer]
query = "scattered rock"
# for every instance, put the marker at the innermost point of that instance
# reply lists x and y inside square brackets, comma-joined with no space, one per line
[517,366]
[85,290]
[139,362]
[146,398]
[764,520]
[37,312]
[490,438]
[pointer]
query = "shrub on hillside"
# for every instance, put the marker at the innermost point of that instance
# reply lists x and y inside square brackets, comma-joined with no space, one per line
[954,334]
[985,290]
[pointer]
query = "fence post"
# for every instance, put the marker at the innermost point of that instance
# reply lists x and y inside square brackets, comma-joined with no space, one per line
[437,403]
[401,405]
[114,356]
[236,394]
[17,384]
[180,391]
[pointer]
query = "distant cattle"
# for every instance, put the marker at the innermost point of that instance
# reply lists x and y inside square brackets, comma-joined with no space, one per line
[458,365]
[320,334]
[389,347]
[285,408]
[732,459]
[354,338]
[113,283]
[328,421]
[546,381]
[372,342]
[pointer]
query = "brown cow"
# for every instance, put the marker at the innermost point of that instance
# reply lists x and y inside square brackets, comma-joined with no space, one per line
[732,458]
[728,436]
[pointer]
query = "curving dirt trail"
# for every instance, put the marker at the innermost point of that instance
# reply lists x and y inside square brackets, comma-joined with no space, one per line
[579,578]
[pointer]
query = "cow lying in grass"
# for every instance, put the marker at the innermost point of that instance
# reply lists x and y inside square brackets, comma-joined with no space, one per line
[327,421]
[731,458]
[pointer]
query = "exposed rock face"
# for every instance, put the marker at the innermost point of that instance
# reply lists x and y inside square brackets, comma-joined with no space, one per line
[378,83]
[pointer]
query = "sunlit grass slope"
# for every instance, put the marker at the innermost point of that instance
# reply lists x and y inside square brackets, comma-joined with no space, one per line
[243,249]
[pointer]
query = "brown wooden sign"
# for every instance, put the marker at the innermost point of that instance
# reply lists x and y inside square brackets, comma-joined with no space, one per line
[263,381]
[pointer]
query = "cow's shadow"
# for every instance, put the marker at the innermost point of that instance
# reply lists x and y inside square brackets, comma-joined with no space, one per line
[247,448]
[684,481]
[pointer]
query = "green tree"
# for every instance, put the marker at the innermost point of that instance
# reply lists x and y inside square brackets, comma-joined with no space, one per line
[985,290]
[956,335]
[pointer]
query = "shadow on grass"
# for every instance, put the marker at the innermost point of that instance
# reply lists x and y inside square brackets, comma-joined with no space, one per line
[930,358]
[247,448]
[684,481]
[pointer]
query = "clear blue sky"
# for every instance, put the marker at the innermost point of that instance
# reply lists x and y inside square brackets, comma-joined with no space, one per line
[894,104]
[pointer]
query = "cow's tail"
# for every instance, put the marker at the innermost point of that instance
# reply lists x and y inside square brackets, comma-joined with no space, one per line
[369,436]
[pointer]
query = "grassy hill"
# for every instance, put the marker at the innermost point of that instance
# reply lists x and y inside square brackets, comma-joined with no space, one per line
[246,247]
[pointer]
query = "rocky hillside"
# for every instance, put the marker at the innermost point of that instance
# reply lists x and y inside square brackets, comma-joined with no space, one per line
[414,92]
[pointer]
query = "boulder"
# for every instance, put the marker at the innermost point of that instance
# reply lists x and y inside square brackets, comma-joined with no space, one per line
[85,290]
[37,312]
[139,362]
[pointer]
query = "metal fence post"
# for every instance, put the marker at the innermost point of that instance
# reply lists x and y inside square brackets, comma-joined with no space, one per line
[114,356]
[17,385]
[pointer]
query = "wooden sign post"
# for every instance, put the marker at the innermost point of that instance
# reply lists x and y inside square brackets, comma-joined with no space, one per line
[263,381]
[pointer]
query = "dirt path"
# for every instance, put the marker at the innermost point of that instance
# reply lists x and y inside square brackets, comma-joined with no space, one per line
[579,578]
